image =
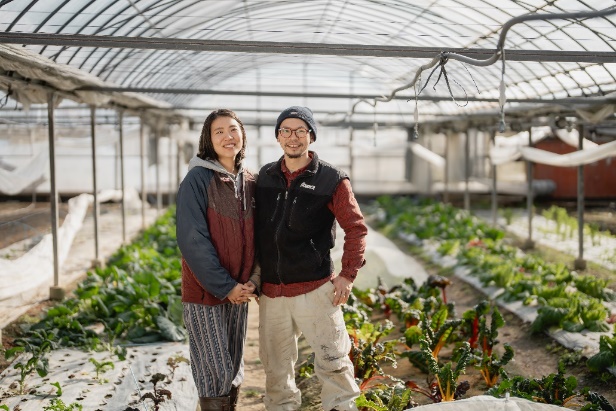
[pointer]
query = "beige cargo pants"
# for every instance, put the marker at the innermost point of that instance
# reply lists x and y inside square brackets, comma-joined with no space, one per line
[281,321]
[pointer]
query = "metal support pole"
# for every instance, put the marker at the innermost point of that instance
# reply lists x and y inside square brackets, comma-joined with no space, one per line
[259,108]
[159,195]
[529,243]
[351,160]
[97,261]
[467,166]
[580,263]
[446,172]
[429,165]
[55,292]
[170,196]
[494,182]
[121,124]
[178,166]
[144,195]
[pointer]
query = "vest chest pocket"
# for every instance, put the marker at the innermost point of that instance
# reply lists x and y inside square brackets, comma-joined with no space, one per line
[307,214]
[300,217]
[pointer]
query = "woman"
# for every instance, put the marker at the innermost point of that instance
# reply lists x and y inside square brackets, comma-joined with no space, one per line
[215,234]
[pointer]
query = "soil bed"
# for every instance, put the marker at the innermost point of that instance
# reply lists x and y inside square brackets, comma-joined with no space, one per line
[536,355]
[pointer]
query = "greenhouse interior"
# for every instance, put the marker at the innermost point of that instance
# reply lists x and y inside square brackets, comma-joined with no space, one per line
[479,139]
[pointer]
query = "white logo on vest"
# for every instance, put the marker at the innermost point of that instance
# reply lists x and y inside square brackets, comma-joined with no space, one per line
[307,186]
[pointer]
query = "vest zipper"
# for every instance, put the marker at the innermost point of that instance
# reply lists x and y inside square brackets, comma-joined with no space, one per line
[292,211]
[275,209]
[286,194]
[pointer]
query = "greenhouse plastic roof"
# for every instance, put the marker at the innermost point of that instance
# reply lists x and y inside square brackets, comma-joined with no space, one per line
[269,54]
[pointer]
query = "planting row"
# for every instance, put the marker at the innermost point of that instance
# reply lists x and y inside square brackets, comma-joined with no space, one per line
[136,298]
[556,297]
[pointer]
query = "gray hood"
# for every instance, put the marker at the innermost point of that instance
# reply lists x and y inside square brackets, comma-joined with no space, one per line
[214,165]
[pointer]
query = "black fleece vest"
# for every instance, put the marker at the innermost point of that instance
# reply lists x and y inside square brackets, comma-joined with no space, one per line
[295,229]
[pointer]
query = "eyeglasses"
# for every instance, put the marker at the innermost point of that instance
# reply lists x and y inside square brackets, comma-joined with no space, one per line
[299,132]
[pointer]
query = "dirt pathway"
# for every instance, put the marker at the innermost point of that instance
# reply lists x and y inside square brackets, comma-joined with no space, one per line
[253,388]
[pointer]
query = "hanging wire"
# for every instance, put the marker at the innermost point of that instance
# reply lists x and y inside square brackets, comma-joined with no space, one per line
[375,126]
[6,98]
[502,99]
[445,56]
[416,113]
[443,74]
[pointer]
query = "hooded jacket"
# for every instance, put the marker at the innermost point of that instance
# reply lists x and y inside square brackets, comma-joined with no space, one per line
[215,231]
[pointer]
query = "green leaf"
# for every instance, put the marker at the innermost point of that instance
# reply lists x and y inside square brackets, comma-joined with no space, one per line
[169,330]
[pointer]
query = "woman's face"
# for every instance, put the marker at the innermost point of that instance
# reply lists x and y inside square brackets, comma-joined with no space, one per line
[227,137]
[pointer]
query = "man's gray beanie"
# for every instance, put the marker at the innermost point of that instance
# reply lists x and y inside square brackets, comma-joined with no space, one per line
[303,113]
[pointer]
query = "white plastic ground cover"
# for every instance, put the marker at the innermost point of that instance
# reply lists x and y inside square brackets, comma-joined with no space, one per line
[35,268]
[383,259]
[77,377]
[585,342]
[489,403]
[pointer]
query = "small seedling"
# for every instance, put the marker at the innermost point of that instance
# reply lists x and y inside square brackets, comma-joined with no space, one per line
[58,388]
[58,405]
[101,368]
[157,395]
[174,362]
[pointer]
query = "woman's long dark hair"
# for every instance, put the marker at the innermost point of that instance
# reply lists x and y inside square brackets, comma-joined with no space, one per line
[206,148]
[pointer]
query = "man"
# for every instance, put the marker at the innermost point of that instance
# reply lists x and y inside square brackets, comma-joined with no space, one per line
[299,199]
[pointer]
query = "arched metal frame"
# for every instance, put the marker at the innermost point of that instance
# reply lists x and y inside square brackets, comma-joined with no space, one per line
[464,24]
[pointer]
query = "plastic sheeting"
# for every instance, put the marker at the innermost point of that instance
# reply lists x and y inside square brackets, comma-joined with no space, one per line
[508,149]
[15,181]
[116,389]
[35,268]
[36,170]
[577,158]
[488,403]
[428,155]
[384,260]
[62,77]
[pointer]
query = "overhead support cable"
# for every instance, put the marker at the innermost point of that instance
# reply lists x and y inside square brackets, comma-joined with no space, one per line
[165,90]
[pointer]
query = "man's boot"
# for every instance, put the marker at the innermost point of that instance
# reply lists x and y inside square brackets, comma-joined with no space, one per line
[215,403]
[233,396]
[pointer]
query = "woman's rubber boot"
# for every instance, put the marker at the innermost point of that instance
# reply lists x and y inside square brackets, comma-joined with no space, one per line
[233,396]
[215,403]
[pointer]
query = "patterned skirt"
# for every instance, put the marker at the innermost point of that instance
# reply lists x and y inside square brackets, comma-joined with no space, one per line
[216,336]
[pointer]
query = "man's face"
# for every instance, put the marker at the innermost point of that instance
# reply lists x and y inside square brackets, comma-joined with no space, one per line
[292,145]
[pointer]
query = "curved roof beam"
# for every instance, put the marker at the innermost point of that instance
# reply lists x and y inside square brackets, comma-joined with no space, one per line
[444,57]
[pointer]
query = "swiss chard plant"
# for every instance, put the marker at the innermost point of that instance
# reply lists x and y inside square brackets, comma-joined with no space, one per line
[368,353]
[556,389]
[435,332]
[447,375]
[385,398]
[606,357]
